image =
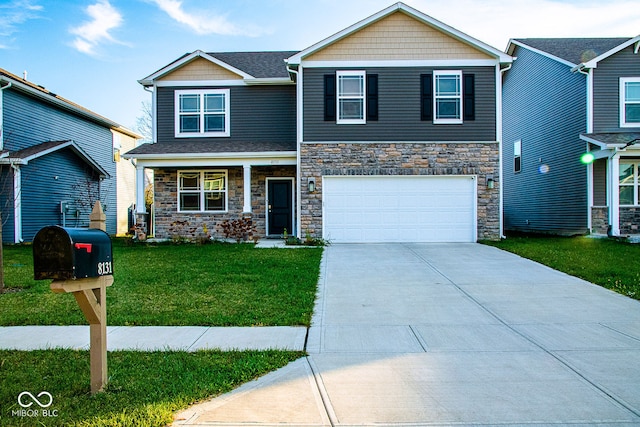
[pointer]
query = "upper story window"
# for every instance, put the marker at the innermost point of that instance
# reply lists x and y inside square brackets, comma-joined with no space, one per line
[630,102]
[202,113]
[447,99]
[351,97]
[202,191]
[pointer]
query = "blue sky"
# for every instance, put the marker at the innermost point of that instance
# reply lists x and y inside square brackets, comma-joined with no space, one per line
[93,52]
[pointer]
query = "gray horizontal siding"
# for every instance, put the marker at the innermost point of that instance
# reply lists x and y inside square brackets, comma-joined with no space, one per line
[258,113]
[399,109]
[544,106]
[606,88]
[29,121]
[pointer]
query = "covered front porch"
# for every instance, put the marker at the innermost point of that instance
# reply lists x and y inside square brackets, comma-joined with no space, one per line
[193,197]
[614,183]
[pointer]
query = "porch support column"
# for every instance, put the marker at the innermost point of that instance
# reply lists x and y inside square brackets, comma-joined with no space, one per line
[17,204]
[247,188]
[614,187]
[140,203]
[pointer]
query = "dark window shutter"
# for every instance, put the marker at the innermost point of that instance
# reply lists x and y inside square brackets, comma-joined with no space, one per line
[469,96]
[330,97]
[426,97]
[372,97]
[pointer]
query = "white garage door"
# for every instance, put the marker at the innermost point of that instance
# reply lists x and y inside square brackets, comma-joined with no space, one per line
[399,208]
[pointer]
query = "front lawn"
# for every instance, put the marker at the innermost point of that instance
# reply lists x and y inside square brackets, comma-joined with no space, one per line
[177,285]
[145,389]
[605,262]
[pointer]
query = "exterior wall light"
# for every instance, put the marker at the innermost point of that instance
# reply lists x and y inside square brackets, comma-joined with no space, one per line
[490,182]
[312,185]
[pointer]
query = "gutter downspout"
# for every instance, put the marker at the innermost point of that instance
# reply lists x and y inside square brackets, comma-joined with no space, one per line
[500,142]
[9,84]
[297,232]
[589,128]
[153,112]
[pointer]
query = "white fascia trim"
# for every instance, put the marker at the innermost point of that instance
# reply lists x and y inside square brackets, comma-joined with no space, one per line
[600,143]
[149,80]
[224,83]
[402,63]
[513,42]
[198,83]
[594,62]
[286,158]
[501,56]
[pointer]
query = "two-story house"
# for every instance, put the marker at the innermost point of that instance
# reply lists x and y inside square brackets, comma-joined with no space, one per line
[387,131]
[56,159]
[562,99]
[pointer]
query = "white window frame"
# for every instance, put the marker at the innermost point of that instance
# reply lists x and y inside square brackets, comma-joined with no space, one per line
[363,97]
[623,103]
[202,192]
[636,183]
[459,96]
[202,93]
[517,148]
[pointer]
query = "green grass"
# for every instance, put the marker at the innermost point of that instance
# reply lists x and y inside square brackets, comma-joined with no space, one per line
[209,285]
[606,262]
[145,389]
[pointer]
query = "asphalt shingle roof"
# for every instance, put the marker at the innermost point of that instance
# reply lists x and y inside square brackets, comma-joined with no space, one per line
[615,138]
[215,147]
[257,64]
[574,50]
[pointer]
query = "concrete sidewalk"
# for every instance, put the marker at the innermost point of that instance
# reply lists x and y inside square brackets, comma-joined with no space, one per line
[151,338]
[457,334]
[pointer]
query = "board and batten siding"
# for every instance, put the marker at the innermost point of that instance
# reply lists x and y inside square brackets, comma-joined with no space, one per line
[544,106]
[29,121]
[399,109]
[606,89]
[258,113]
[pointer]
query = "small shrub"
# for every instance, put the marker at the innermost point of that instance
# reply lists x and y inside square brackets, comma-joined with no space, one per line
[241,230]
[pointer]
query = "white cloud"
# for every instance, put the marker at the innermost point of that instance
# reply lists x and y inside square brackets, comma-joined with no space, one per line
[202,23]
[15,13]
[496,21]
[104,18]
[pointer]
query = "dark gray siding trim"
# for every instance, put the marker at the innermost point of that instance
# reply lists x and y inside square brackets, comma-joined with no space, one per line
[606,89]
[258,113]
[544,105]
[399,109]
[28,122]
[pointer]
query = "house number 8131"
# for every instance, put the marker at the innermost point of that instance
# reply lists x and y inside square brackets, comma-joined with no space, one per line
[104,268]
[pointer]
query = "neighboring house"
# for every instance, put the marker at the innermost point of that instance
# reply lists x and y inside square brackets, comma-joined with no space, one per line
[56,159]
[387,131]
[563,98]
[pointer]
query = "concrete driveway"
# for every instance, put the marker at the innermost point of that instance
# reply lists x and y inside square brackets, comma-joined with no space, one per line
[449,334]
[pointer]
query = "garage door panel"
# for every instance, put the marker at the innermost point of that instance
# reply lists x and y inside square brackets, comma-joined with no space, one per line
[399,209]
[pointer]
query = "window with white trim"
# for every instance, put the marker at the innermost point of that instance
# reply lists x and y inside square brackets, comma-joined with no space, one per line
[630,102]
[517,156]
[202,191]
[351,97]
[447,97]
[628,183]
[202,113]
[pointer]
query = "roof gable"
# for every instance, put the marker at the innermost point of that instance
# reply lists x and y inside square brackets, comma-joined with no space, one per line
[399,32]
[593,63]
[249,66]
[569,51]
[26,155]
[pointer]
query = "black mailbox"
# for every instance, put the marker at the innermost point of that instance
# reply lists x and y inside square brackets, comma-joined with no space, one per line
[71,253]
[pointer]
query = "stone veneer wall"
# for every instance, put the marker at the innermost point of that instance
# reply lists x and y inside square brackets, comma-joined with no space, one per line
[481,159]
[629,221]
[166,200]
[599,219]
